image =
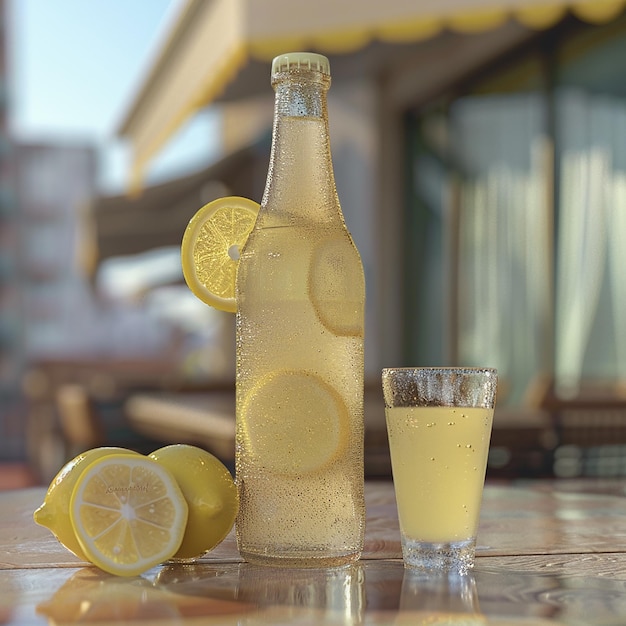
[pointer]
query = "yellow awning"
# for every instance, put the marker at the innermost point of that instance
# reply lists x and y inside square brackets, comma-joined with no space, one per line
[125,226]
[214,41]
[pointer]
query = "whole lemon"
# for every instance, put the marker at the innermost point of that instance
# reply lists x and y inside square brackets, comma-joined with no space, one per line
[211,496]
[54,513]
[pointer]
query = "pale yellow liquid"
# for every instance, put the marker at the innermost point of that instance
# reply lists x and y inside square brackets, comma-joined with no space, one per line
[439,458]
[299,440]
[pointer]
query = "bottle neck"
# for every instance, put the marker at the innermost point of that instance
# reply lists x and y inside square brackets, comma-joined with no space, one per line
[300,182]
[301,95]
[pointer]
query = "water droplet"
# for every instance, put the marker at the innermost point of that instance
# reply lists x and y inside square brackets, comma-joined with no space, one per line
[430,425]
[450,423]
[469,446]
[432,458]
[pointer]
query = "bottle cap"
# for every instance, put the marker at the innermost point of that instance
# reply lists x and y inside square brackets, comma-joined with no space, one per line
[301,60]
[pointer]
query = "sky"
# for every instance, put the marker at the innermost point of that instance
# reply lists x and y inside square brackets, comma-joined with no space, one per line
[74,67]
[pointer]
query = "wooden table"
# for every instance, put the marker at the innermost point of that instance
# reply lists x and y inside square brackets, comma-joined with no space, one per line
[548,553]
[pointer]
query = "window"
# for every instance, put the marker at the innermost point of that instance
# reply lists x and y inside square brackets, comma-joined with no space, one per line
[516,217]
[590,135]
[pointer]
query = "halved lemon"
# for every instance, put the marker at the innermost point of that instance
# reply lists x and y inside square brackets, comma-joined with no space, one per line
[54,513]
[210,249]
[294,423]
[128,514]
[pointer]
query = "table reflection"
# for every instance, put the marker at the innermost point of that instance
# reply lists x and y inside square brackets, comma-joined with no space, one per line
[94,596]
[451,599]
[327,595]
[368,592]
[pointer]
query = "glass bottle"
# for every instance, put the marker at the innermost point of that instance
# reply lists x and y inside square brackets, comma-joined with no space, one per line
[300,327]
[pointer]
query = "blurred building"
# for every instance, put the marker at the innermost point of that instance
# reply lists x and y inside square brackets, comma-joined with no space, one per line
[52,185]
[479,158]
[11,354]
[47,307]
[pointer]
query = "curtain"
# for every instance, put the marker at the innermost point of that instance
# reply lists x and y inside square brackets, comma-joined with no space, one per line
[591,261]
[504,249]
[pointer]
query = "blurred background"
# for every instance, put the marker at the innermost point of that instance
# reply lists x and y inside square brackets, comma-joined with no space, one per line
[480,157]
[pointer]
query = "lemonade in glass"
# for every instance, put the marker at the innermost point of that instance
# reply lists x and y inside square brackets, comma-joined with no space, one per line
[439,426]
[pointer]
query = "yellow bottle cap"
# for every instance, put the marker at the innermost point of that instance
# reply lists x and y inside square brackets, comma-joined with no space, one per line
[301,60]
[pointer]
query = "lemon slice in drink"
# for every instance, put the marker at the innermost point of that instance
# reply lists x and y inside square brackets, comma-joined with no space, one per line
[295,422]
[210,249]
[128,514]
[336,287]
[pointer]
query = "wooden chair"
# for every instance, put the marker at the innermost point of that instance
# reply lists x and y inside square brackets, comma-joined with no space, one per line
[79,422]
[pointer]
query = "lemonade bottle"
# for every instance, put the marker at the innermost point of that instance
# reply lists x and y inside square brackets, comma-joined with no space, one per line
[300,316]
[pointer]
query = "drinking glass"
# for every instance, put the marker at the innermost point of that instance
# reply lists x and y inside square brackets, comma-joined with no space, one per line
[439,426]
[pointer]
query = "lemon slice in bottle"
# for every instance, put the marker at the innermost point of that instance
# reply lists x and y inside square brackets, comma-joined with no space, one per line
[336,287]
[128,514]
[210,249]
[295,422]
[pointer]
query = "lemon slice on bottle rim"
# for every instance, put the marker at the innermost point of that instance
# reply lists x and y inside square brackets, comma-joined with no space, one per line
[210,249]
[128,514]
